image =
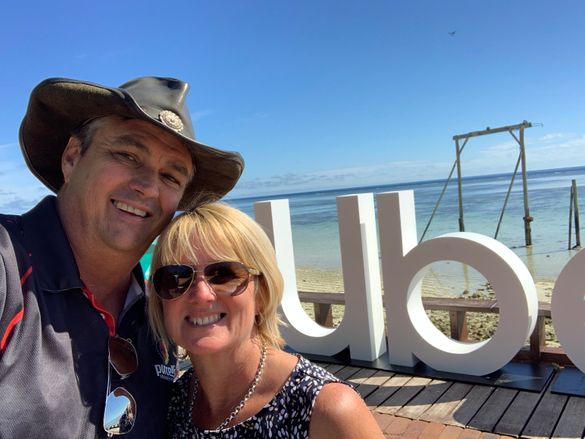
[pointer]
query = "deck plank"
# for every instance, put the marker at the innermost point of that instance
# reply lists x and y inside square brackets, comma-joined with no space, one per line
[408,391]
[424,400]
[442,410]
[492,410]
[474,411]
[469,406]
[545,417]
[386,390]
[518,413]
[334,368]
[347,372]
[371,384]
[572,422]
[361,376]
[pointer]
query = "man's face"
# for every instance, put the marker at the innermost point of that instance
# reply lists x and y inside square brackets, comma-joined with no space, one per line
[124,189]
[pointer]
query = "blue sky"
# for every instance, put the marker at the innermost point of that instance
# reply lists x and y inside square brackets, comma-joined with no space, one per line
[319,94]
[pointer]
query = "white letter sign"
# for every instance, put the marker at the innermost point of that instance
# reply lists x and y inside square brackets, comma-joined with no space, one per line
[411,334]
[362,327]
[568,309]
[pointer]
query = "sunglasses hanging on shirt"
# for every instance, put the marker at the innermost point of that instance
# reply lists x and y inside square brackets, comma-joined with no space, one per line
[120,411]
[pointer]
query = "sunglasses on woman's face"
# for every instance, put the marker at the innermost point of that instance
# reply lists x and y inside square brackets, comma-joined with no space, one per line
[224,278]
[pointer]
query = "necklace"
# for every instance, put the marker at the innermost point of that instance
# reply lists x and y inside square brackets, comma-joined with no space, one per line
[247,395]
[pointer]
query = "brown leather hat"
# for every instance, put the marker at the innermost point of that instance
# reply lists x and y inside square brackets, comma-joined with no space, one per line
[58,106]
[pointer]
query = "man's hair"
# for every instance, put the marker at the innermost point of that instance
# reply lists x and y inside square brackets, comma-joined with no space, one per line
[85,133]
[222,233]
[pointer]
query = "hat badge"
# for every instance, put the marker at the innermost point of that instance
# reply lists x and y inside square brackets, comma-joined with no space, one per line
[172,120]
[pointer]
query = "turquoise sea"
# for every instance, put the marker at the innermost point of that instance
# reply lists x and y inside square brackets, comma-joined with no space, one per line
[315,227]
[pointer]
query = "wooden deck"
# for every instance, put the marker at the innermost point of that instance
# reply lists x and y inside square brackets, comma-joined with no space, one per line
[416,407]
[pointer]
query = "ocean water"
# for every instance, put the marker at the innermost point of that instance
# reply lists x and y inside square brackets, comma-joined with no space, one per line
[315,227]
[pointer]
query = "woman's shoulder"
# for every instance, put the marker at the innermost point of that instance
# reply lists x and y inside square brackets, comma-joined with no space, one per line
[336,408]
[311,371]
[307,379]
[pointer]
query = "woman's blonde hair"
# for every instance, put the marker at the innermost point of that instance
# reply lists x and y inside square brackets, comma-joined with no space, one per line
[222,233]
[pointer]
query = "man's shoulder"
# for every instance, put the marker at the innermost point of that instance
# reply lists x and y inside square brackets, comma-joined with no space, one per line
[10,227]
[37,224]
[9,222]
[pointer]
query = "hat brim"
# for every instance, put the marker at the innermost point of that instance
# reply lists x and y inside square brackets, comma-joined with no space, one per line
[58,106]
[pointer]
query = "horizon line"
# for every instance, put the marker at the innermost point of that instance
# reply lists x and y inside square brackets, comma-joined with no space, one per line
[434,180]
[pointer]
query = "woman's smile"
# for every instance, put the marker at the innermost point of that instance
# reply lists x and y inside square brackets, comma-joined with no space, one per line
[205,321]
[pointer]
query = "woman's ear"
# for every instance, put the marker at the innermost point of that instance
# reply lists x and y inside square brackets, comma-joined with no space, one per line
[70,157]
[258,303]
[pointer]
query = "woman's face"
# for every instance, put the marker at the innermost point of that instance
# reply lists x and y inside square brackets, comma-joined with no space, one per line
[203,322]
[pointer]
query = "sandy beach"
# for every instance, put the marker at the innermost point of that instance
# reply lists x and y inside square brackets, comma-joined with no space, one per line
[444,281]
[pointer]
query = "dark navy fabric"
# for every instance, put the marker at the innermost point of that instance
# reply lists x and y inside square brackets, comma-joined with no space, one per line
[53,371]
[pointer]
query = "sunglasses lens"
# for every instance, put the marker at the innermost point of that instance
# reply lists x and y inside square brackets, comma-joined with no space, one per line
[226,277]
[123,357]
[171,281]
[120,412]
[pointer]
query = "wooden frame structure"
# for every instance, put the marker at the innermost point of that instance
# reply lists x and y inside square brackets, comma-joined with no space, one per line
[521,159]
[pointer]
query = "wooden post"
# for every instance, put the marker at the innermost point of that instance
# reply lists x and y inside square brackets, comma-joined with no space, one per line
[458,325]
[323,314]
[527,218]
[459,191]
[537,339]
[571,204]
[576,212]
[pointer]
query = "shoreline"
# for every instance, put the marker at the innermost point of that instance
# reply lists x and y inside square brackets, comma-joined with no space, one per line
[436,283]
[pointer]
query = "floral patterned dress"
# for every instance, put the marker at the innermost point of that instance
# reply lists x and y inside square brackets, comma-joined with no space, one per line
[287,415]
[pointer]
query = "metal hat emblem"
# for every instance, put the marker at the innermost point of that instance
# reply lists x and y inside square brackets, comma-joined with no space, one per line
[171,120]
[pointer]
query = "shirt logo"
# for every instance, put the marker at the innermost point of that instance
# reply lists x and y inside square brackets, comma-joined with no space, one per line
[165,372]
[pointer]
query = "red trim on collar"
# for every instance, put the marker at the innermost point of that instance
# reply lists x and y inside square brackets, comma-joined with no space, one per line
[108,318]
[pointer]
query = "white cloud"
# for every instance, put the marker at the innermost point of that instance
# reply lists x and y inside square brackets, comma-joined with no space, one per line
[20,190]
[551,136]
[196,116]
[553,150]
[382,173]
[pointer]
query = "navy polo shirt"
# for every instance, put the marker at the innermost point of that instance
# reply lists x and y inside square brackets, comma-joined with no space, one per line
[53,342]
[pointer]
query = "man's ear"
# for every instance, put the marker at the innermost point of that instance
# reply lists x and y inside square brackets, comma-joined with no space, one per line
[70,157]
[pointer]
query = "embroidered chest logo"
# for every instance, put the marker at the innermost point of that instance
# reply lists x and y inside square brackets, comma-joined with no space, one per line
[166,372]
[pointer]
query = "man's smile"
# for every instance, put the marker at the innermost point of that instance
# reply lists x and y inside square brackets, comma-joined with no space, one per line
[129,209]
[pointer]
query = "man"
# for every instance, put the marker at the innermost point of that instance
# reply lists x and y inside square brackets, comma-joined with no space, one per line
[72,304]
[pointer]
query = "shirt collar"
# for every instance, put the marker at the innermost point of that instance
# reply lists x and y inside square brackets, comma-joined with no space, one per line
[135,293]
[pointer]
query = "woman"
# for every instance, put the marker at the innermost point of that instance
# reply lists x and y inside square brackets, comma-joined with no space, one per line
[215,293]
